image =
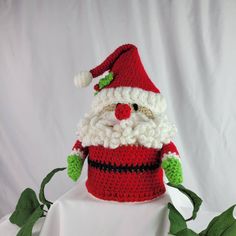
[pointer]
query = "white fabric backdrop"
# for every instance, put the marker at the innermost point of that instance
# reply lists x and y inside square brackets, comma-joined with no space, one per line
[188,49]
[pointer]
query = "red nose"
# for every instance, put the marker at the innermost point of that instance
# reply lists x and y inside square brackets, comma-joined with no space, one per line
[122,111]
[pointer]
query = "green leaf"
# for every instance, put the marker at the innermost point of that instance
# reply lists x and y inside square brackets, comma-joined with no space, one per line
[43,184]
[203,233]
[26,205]
[177,222]
[105,81]
[26,230]
[194,198]
[222,225]
[231,231]
[187,232]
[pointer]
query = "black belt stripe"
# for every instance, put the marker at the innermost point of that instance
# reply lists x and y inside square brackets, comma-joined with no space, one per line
[124,168]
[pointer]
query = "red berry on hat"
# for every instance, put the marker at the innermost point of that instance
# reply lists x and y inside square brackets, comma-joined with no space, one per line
[96,87]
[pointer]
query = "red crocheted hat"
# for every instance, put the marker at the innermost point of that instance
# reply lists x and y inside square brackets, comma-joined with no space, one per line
[127,81]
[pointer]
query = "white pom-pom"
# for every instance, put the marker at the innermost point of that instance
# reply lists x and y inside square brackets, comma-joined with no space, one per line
[83,79]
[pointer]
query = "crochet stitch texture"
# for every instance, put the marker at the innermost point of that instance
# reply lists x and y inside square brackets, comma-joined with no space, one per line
[126,137]
[127,173]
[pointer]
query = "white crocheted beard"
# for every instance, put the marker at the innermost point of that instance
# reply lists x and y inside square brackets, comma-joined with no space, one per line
[105,130]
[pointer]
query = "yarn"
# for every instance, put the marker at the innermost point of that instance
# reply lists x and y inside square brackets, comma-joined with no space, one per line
[127,173]
[135,106]
[124,168]
[96,87]
[83,79]
[173,170]
[153,101]
[104,129]
[122,111]
[79,150]
[75,164]
[126,135]
[105,81]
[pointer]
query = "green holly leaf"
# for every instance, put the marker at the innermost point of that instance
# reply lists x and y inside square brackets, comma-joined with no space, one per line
[222,225]
[194,198]
[26,205]
[105,81]
[177,221]
[27,228]
[43,184]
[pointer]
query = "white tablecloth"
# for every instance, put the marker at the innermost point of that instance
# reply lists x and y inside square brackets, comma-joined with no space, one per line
[79,213]
[9,229]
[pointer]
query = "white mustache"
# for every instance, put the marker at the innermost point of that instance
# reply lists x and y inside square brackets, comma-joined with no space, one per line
[104,129]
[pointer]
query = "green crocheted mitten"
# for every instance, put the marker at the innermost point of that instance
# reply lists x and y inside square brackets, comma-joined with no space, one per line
[75,165]
[173,170]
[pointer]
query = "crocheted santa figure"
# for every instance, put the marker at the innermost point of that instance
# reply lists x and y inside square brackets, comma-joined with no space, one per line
[126,136]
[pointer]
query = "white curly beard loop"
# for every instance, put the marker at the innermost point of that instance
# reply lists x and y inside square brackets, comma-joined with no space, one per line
[105,130]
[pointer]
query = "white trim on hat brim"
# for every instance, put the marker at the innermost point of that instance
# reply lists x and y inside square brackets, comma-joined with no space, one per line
[154,101]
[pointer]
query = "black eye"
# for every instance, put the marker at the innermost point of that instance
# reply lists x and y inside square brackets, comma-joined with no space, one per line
[135,106]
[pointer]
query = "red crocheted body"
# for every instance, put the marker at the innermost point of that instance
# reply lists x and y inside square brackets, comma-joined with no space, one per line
[125,174]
